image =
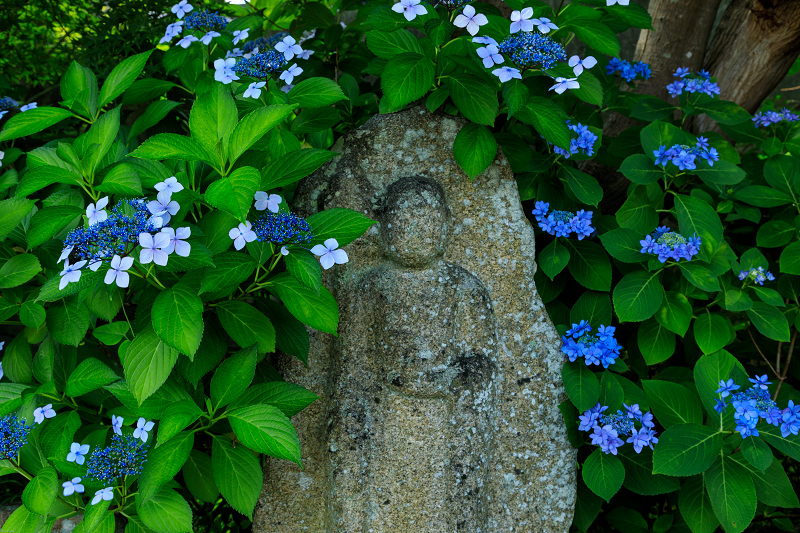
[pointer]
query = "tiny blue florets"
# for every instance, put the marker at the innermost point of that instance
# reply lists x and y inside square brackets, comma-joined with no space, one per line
[583,143]
[533,50]
[7,103]
[759,275]
[754,403]
[13,436]
[627,70]
[264,43]
[563,223]
[699,83]
[260,65]
[283,228]
[768,118]
[667,244]
[125,456]
[684,156]
[598,349]
[205,20]
[607,429]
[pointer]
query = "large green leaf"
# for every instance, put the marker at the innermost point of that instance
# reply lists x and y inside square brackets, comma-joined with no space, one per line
[176,418]
[638,296]
[583,186]
[40,493]
[230,269]
[697,217]
[549,119]
[407,77]
[264,428]
[147,362]
[603,474]
[246,325]
[553,259]
[171,146]
[12,211]
[254,126]
[672,403]
[233,376]
[49,221]
[598,36]
[581,384]
[163,464]
[199,477]
[695,507]
[237,473]
[177,317]
[772,484]
[234,193]
[686,450]
[288,397]
[90,375]
[32,121]
[386,45]
[316,309]
[474,97]
[732,493]
[623,245]
[293,166]
[344,225]
[769,321]
[474,149]
[68,321]
[639,477]
[18,270]
[166,512]
[711,332]
[655,341]
[317,92]
[589,265]
[122,77]
[154,114]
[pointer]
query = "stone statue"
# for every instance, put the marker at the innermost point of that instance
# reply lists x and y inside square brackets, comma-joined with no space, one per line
[438,407]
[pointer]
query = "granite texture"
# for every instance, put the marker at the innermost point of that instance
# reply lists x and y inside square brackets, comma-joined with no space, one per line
[439,397]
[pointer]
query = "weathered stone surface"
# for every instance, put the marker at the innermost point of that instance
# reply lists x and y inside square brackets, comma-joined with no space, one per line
[439,398]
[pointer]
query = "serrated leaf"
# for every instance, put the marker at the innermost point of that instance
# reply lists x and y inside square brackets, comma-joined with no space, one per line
[163,464]
[177,317]
[237,474]
[19,269]
[91,374]
[233,376]
[246,325]
[264,428]
[147,362]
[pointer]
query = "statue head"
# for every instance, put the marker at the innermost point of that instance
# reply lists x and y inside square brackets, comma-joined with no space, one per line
[414,222]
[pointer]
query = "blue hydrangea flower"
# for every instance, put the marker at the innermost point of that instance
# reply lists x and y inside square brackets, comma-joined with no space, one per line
[7,103]
[533,50]
[125,456]
[13,436]
[600,348]
[563,223]
[762,118]
[583,143]
[753,404]
[607,428]
[699,83]
[670,245]
[759,275]
[205,20]
[685,157]
[726,387]
[628,71]
[260,65]
[283,228]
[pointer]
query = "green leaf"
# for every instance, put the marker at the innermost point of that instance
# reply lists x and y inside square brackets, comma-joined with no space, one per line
[237,474]
[640,169]
[772,484]
[708,372]
[315,120]
[40,493]
[639,477]
[317,92]
[549,119]
[711,332]
[686,450]
[700,276]
[293,166]
[316,309]
[344,225]
[266,429]
[769,321]
[386,45]
[19,269]
[90,375]
[623,245]
[762,196]
[721,174]
[292,334]
[789,445]
[611,393]
[147,362]
[154,114]
[199,477]
[662,133]
[637,213]
[11,396]
[603,474]
[638,296]
[589,265]
[722,111]
[163,464]
[93,516]
[581,385]
[650,108]
[231,269]
[596,35]
[171,146]
[17,363]
[790,258]
[515,94]
[246,325]
[37,178]
[474,97]
[68,322]
[49,221]
[121,179]
[166,512]
[732,493]
[407,77]
[233,376]
[234,193]
[594,307]
[757,453]
[145,90]
[783,173]
[122,77]
[176,418]
[111,334]
[769,296]
[583,186]
[95,143]
[32,121]
[655,341]
[32,315]
[695,507]
[79,90]
[697,217]
[177,317]
[288,397]
[254,126]
[12,211]
[736,300]
[474,149]
[305,268]
[553,259]
[672,403]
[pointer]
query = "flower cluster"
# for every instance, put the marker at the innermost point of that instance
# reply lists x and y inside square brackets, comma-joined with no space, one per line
[563,223]
[13,436]
[768,118]
[533,50]
[263,43]
[684,156]
[205,20]
[583,143]
[759,275]
[260,65]
[6,105]
[282,228]
[627,70]
[522,21]
[699,83]
[598,349]
[754,403]
[607,429]
[667,244]
[125,456]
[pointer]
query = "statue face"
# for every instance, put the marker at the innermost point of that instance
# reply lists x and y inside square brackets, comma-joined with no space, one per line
[414,223]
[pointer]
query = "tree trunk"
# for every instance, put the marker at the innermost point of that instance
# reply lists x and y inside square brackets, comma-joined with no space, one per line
[752,50]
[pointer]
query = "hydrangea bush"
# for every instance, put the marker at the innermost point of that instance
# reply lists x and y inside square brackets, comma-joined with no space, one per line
[151,265]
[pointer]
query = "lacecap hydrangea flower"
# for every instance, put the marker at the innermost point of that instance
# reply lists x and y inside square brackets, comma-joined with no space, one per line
[583,143]
[261,64]
[530,50]
[125,456]
[13,436]
[607,429]
[628,71]
[205,20]
[563,223]
[689,83]
[770,117]
[7,103]
[667,244]
[684,156]
[758,275]
[600,348]
[753,404]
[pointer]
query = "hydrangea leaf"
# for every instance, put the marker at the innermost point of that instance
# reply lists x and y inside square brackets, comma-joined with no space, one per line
[199,477]
[686,450]
[732,493]
[246,325]
[166,512]
[769,321]
[316,309]
[603,474]
[234,193]
[233,376]
[32,121]
[163,464]
[695,507]
[407,77]
[41,491]
[91,374]
[176,418]
[581,385]
[18,270]
[344,225]
[147,362]
[772,484]
[265,429]
[474,149]
[655,341]
[672,403]
[553,259]
[592,306]
[177,317]
[237,473]
[288,397]
[639,477]
[122,77]
[293,166]
[254,126]
[319,92]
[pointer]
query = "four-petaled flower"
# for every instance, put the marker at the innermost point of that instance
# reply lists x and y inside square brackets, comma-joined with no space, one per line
[506,73]
[181,8]
[267,201]
[329,255]
[562,84]
[288,87]
[97,213]
[27,107]
[544,25]
[410,9]
[70,274]
[223,70]
[206,39]
[490,55]
[116,424]
[726,387]
[289,48]
[142,427]
[620,2]
[71,487]
[170,185]
[176,242]
[254,89]
[186,41]
[153,248]
[760,382]
[520,20]
[77,453]
[163,207]
[118,273]
[242,235]
[578,64]
[40,413]
[484,40]
[471,20]
[289,74]
[240,35]
[106,494]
